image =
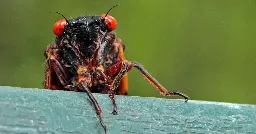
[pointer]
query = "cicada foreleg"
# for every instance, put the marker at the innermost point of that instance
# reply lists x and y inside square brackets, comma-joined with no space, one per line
[94,102]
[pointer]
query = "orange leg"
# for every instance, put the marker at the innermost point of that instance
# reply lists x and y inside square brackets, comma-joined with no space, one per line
[155,83]
[126,66]
[95,104]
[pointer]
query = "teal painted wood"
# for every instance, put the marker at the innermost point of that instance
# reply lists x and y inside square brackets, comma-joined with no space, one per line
[45,111]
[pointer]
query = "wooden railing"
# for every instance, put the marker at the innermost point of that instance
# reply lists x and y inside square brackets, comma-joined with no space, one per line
[32,111]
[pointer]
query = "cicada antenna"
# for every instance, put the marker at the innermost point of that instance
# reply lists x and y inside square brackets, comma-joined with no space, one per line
[111,9]
[63,16]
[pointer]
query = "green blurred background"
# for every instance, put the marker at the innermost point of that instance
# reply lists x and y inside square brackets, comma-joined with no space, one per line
[205,49]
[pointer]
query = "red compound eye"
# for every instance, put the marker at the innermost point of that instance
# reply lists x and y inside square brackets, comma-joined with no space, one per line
[110,21]
[59,27]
